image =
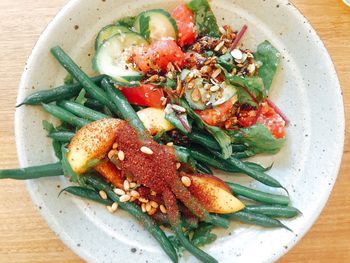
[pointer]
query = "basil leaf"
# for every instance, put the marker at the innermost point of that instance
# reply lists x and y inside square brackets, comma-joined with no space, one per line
[269,58]
[258,138]
[205,19]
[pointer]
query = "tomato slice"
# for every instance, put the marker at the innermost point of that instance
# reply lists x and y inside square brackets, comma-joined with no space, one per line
[158,55]
[272,120]
[185,24]
[144,95]
[218,114]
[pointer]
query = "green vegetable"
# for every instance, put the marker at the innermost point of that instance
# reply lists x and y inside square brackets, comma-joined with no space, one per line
[136,212]
[205,19]
[202,235]
[34,172]
[203,168]
[244,154]
[65,115]
[203,139]
[68,80]
[56,145]
[81,97]
[226,61]
[127,21]
[256,219]
[107,32]
[61,136]
[82,111]
[182,154]
[87,194]
[174,120]
[94,104]
[67,169]
[124,107]
[90,87]
[144,26]
[258,196]
[273,210]
[59,93]
[250,90]
[258,138]
[269,58]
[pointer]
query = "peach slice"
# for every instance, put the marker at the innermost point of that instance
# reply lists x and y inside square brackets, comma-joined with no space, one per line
[92,142]
[154,120]
[214,194]
[110,172]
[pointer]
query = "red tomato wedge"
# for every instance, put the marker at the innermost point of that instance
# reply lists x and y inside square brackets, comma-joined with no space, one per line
[218,114]
[185,24]
[144,95]
[158,55]
[272,120]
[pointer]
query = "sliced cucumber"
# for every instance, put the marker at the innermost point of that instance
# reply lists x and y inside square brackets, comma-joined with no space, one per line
[228,91]
[156,24]
[107,32]
[189,95]
[110,58]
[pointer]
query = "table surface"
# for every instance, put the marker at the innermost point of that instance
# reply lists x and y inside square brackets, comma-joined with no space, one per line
[25,237]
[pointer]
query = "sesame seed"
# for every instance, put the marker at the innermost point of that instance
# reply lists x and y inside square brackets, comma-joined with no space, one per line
[143,200]
[154,204]
[186,181]
[152,212]
[143,207]
[124,198]
[103,194]
[121,155]
[148,207]
[132,185]
[162,209]
[146,150]
[111,154]
[118,191]
[134,193]
[115,145]
[126,185]
[178,165]
[170,144]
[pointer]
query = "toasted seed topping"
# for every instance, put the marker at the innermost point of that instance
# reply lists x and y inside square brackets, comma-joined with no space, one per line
[178,108]
[124,198]
[186,181]
[219,46]
[178,165]
[170,144]
[152,211]
[115,145]
[126,185]
[132,185]
[214,88]
[111,154]
[251,68]
[109,208]
[148,207]
[154,204]
[146,150]
[143,200]
[196,95]
[236,54]
[162,209]
[134,193]
[153,193]
[103,194]
[118,191]
[222,30]
[216,73]
[143,207]
[121,155]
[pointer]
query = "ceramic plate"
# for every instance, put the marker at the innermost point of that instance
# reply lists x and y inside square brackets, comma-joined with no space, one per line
[306,88]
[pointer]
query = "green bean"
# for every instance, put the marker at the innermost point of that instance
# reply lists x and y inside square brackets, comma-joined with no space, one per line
[259,196]
[256,219]
[243,155]
[124,107]
[203,168]
[195,251]
[94,104]
[82,111]
[65,115]
[257,175]
[59,93]
[33,172]
[238,147]
[90,87]
[203,139]
[62,136]
[87,194]
[182,154]
[136,212]
[273,210]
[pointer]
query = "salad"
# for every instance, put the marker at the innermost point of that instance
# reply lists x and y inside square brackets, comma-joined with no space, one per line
[177,96]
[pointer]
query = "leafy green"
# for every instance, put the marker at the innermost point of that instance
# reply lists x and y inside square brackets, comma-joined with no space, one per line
[81,99]
[202,235]
[258,138]
[269,58]
[48,126]
[68,80]
[170,83]
[250,90]
[56,145]
[174,120]
[205,19]
[92,163]
[220,136]
[127,21]
[67,169]
[144,26]
[226,61]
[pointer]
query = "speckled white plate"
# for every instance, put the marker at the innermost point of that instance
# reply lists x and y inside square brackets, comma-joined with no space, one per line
[306,88]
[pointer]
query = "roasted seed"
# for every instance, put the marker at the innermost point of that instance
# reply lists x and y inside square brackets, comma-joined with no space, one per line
[178,165]
[103,194]
[118,191]
[121,155]
[236,54]
[133,185]
[152,212]
[148,207]
[109,208]
[162,209]
[115,145]
[178,108]
[154,204]
[143,200]
[143,207]
[146,150]
[126,185]
[124,198]
[215,88]
[134,193]
[186,181]
[111,154]
[153,193]
[195,95]
[170,144]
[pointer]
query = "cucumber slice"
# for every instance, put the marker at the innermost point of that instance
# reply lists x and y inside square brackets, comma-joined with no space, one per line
[107,32]
[189,95]
[110,58]
[228,91]
[156,24]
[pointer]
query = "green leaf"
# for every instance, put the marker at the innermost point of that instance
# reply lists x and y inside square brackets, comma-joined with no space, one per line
[206,23]
[250,90]
[174,120]
[269,58]
[144,26]
[48,126]
[258,138]
[68,80]
[57,149]
[92,163]
[226,61]
[220,136]
[170,83]
[127,21]
[202,235]
[67,169]
[81,99]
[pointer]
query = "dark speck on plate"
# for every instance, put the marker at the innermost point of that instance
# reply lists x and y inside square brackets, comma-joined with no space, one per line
[76,27]
[133,250]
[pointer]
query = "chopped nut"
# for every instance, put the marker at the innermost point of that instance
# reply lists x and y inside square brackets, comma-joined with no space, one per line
[178,108]
[236,54]
[134,193]
[219,46]
[143,207]
[148,207]
[186,181]
[170,144]
[214,88]
[152,211]
[133,185]
[124,198]
[178,165]
[146,150]
[103,194]
[112,153]
[216,73]
[115,145]
[121,155]
[154,204]
[153,193]
[162,209]
[126,185]
[118,191]
[195,95]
